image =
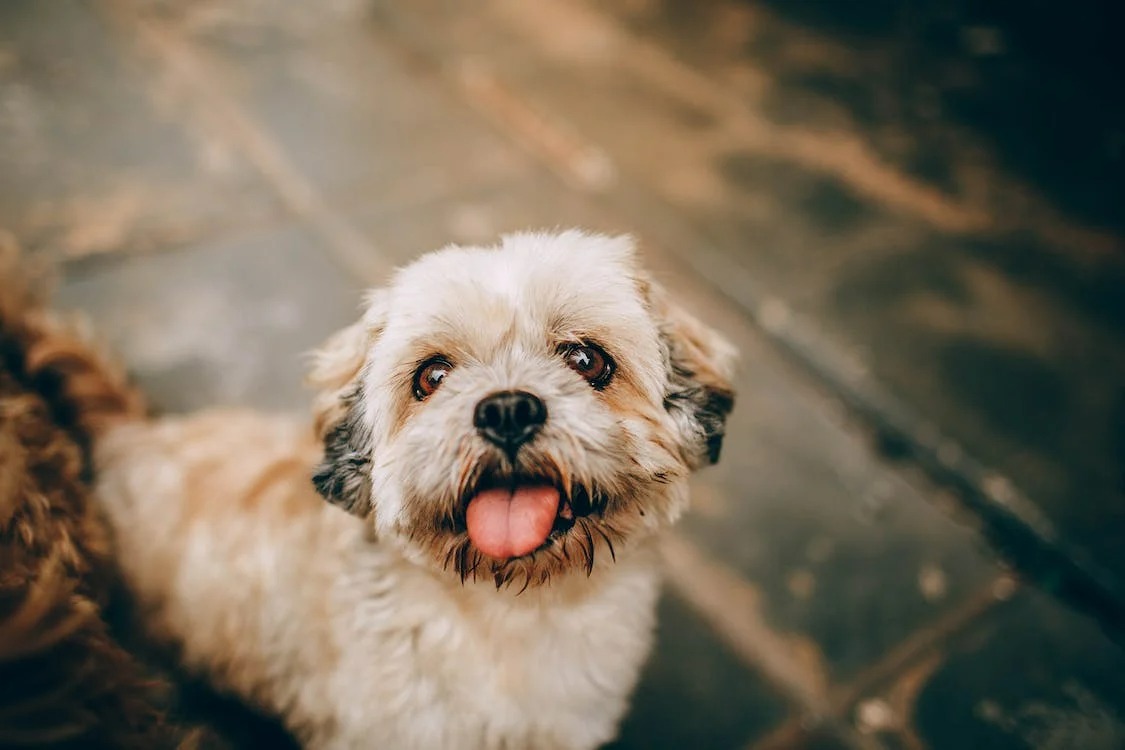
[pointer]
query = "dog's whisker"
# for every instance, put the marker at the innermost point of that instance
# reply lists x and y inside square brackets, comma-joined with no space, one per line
[608,543]
[446,560]
[589,547]
[462,562]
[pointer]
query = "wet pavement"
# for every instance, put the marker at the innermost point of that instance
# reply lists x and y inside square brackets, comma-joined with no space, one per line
[914,537]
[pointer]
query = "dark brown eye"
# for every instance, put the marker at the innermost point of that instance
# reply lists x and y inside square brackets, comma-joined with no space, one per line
[429,376]
[590,362]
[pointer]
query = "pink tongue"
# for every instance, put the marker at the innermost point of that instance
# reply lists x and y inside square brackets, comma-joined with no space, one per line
[507,523]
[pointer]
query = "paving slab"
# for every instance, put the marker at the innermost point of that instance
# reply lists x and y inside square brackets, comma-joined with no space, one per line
[343,108]
[224,323]
[94,157]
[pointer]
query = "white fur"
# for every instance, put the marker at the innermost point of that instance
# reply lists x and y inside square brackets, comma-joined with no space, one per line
[351,629]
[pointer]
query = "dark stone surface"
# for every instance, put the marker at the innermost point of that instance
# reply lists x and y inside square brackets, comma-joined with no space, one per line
[1026,382]
[1028,675]
[695,693]
[999,67]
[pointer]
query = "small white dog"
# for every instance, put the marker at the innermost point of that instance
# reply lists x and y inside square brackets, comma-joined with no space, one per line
[509,427]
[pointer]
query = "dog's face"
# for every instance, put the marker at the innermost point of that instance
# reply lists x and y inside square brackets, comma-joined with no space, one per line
[513,413]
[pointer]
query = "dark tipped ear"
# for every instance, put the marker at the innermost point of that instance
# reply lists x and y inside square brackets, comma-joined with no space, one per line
[700,364]
[344,476]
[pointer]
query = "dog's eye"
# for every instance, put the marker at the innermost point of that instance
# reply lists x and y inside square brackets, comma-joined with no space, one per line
[590,362]
[429,376]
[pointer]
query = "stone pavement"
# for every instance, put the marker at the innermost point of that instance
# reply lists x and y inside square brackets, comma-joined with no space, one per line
[914,538]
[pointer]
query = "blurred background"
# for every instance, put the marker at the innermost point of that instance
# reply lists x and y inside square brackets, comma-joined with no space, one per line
[908,215]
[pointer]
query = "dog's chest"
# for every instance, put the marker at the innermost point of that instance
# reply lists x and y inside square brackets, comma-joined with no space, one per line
[482,669]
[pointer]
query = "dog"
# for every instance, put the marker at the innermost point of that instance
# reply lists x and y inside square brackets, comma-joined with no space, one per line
[500,439]
[65,681]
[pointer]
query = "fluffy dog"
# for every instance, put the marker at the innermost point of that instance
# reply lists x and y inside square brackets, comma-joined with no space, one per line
[509,428]
[64,681]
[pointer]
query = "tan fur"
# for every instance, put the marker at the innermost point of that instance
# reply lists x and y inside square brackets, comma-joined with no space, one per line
[388,627]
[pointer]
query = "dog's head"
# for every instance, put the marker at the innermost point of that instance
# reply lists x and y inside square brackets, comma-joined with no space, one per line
[516,412]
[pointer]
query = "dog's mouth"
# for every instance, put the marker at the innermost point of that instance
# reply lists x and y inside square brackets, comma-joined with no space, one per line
[515,516]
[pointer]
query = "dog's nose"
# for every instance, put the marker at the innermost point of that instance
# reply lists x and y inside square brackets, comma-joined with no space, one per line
[509,418]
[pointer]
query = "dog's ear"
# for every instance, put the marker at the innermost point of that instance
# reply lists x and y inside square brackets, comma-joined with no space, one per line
[700,365]
[343,477]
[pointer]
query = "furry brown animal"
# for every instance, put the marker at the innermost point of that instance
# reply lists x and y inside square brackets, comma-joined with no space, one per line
[64,681]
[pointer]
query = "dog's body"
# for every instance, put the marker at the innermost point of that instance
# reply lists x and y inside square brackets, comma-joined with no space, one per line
[510,429]
[284,598]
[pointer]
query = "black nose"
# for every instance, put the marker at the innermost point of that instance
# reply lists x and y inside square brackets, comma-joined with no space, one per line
[509,418]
